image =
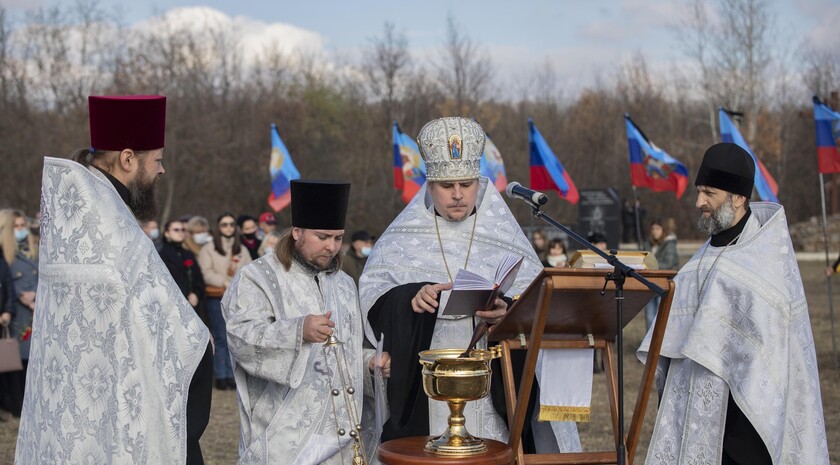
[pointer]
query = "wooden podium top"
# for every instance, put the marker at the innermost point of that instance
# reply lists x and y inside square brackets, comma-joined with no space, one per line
[409,451]
[577,307]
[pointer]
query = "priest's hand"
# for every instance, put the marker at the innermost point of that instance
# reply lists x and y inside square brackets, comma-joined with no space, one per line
[493,316]
[426,299]
[317,328]
[384,363]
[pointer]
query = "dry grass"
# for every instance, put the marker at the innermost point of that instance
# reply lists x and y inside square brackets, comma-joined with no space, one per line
[220,440]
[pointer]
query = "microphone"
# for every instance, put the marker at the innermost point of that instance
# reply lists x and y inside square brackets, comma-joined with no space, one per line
[515,190]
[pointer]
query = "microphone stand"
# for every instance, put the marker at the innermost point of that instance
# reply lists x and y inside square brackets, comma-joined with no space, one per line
[617,276]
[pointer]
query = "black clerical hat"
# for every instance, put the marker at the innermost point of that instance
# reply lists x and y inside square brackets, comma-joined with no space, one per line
[319,204]
[729,167]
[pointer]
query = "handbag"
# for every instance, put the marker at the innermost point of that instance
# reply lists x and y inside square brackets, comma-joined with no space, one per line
[214,292]
[9,353]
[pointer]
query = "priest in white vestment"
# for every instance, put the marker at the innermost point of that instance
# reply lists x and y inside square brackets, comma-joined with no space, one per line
[120,365]
[457,220]
[294,407]
[738,373]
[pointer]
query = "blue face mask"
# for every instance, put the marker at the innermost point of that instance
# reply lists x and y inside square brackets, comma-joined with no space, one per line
[21,234]
[365,251]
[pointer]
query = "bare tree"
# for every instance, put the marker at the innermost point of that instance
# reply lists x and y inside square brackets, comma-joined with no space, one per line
[733,54]
[385,64]
[466,72]
[822,72]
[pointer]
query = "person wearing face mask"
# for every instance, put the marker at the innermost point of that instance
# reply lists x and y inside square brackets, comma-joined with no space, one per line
[182,264]
[556,257]
[197,234]
[186,273]
[361,244]
[152,230]
[220,260]
[247,225]
[20,253]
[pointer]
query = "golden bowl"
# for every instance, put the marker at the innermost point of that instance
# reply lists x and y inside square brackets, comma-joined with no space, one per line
[448,377]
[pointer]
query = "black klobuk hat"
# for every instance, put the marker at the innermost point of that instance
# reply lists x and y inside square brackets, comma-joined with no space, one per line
[319,204]
[728,167]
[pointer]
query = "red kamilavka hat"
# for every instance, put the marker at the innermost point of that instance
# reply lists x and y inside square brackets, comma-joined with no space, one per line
[120,122]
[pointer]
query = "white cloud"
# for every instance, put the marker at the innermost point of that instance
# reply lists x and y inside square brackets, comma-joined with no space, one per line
[826,34]
[633,19]
[253,36]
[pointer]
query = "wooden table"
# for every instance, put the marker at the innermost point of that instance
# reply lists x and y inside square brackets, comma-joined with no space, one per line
[409,451]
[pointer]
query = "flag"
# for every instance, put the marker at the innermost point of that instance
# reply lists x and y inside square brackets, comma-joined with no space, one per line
[764,182]
[546,170]
[409,169]
[652,167]
[828,137]
[282,171]
[396,136]
[492,165]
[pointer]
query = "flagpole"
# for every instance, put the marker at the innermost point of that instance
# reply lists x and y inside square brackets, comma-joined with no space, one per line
[828,278]
[638,221]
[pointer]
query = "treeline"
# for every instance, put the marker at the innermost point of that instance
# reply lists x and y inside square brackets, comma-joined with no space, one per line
[336,120]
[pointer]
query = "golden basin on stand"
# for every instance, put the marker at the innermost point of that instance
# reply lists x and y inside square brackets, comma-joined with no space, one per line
[456,381]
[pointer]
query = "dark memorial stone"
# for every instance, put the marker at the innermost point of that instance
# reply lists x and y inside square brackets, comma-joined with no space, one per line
[599,211]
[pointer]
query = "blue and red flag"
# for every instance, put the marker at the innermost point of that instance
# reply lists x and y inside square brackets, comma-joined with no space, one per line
[282,171]
[652,167]
[546,170]
[492,165]
[828,137]
[409,169]
[765,185]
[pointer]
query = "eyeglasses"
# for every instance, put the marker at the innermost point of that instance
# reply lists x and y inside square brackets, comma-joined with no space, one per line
[177,229]
[226,225]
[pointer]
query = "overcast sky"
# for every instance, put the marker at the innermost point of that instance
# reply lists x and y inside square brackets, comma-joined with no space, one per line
[580,39]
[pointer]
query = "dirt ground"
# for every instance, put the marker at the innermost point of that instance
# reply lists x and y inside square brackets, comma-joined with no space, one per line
[219,442]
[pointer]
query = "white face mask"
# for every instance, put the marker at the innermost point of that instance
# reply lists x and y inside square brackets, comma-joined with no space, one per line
[268,251]
[555,260]
[21,234]
[365,251]
[201,238]
[154,233]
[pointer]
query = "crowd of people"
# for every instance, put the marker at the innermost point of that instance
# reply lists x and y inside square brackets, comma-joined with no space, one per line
[139,324]
[202,261]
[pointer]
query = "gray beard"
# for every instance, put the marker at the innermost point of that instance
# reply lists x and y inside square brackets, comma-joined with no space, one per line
[720,220]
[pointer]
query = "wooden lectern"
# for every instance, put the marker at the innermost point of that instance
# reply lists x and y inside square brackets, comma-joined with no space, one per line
[561,309]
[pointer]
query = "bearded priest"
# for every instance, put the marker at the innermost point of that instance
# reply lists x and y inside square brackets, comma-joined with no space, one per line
[120,366]
[299,404]
[456,221]
[738,376]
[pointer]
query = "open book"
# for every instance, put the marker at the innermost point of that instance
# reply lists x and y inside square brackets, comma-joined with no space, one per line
[471,292]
